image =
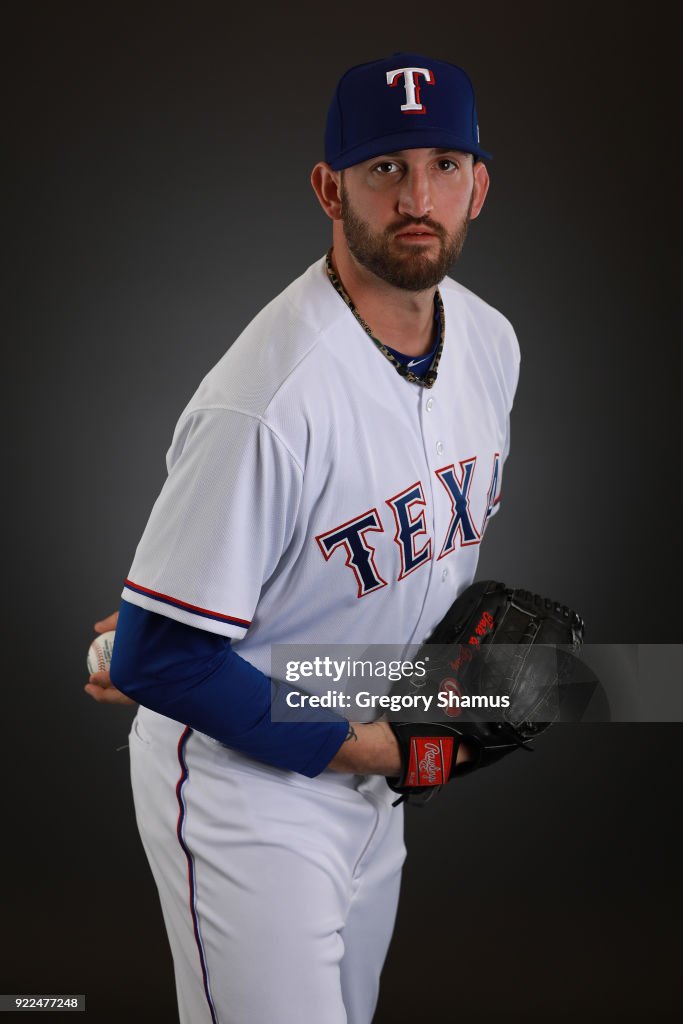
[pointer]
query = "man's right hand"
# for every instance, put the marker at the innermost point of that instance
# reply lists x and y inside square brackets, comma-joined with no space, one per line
[100,686]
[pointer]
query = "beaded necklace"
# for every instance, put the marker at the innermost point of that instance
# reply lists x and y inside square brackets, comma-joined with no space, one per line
[427,381]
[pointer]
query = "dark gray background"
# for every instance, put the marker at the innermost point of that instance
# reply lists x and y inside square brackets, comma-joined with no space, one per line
[157,197]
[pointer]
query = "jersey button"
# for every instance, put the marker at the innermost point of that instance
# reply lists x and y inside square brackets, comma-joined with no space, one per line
[439,448]
[430,404]
[444,575]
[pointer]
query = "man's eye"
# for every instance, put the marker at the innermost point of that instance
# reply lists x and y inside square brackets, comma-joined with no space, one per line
[447,164]
[386,167]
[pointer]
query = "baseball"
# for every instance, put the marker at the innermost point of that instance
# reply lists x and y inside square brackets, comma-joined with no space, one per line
[100,652]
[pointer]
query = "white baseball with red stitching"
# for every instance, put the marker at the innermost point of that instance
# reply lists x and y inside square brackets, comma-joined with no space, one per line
[100,652]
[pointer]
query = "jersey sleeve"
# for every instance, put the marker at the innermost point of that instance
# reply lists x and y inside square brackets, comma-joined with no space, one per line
[220,524]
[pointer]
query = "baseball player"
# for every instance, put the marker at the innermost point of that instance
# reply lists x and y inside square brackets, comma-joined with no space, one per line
[329,482]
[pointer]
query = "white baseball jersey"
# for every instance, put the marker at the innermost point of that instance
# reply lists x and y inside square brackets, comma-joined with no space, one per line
[315,496]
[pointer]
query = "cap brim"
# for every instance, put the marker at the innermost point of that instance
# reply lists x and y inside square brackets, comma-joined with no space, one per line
[414,138]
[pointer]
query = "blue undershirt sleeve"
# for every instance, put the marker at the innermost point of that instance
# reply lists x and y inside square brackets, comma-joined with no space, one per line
[196,678]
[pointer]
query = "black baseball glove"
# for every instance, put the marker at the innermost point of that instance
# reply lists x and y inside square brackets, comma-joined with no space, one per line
[495,665]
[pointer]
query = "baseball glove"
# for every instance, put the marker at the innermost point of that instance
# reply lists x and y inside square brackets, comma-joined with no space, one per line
[495,664]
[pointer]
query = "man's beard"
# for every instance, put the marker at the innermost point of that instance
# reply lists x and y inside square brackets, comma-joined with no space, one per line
[411,268]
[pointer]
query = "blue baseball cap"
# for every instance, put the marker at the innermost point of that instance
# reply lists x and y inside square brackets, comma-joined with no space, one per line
[406,101]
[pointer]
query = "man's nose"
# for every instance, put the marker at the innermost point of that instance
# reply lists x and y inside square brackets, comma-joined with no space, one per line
[415,199]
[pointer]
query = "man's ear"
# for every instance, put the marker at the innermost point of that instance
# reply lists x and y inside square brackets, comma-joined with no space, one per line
[327,187]
[481,187]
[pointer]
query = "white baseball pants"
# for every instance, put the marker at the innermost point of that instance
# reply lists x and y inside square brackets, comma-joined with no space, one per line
[278,892]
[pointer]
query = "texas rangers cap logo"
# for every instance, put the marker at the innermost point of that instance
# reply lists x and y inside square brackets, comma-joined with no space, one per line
[411,85]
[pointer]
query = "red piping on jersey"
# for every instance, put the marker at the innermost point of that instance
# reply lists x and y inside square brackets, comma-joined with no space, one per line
[184,604]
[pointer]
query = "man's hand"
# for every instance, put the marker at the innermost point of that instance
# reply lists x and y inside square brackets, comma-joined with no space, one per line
[100,686]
